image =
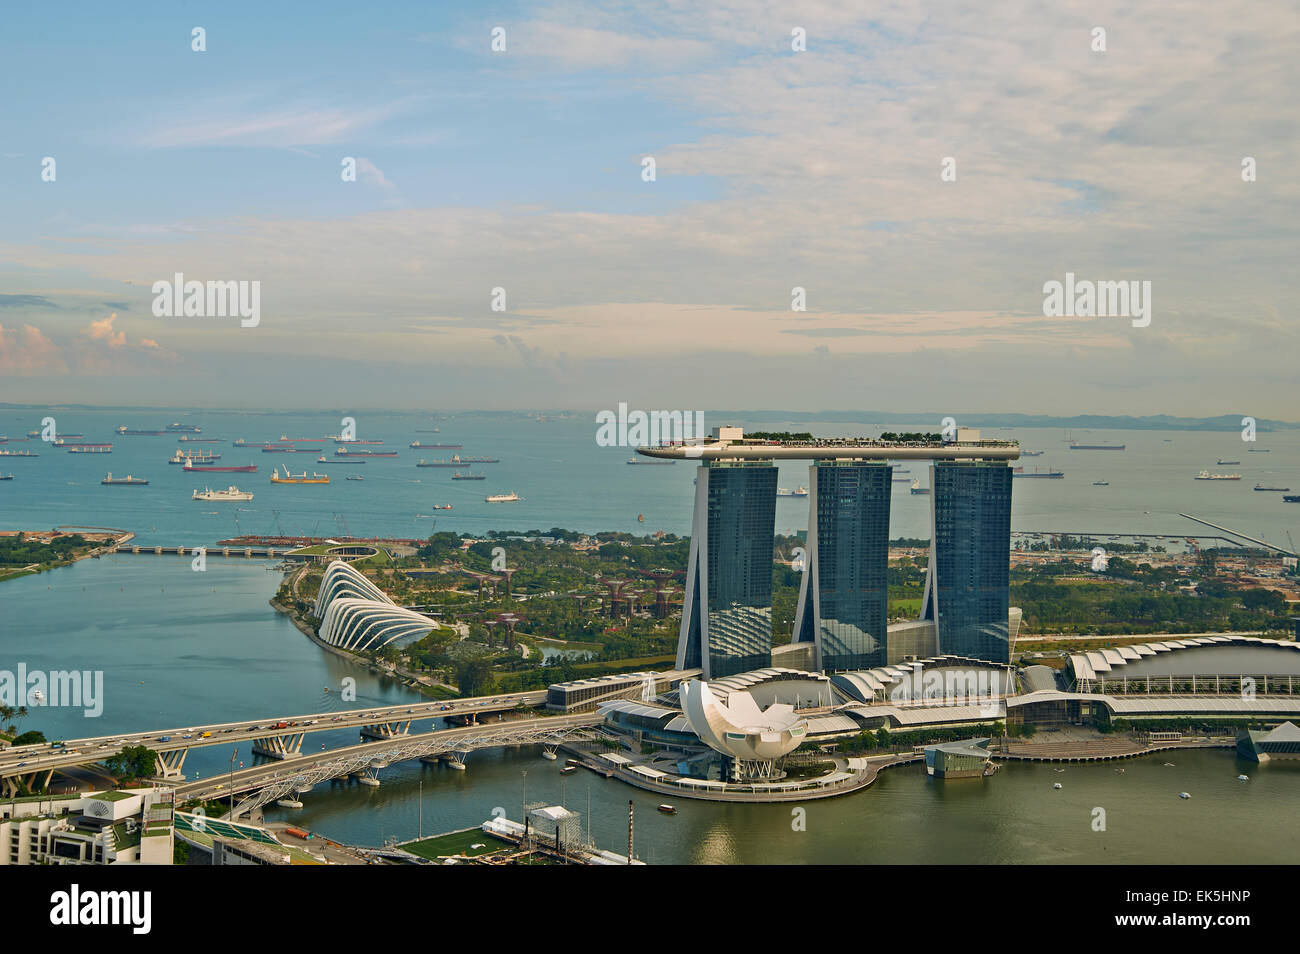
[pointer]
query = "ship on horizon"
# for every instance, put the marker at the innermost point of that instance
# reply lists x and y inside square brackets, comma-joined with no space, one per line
[127,481]
[230,493]
[417,445]
[189,465]
[303,478]
[1074,445]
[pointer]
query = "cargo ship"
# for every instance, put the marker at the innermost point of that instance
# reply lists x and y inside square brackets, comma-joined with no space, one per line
[89,448]
[340,440]
[322,459]
[178,427]
[1292,498]
[468,476]
[36,435]
[1249,450]
[6,476]
[1053,474]
[127,481]
[138,432]
[192,457]
[233,469]
[230,493]
[648,460]
[416,445]
[282,449]
[1025,453]
[1206,475]
[1075,446]
[502,498]
[344,452]
[20,453]
[797,492]
[1224,463]
[186,439]
[1280,490]
[303,478]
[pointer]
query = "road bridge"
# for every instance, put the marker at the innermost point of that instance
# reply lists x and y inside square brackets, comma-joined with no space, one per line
[266,783]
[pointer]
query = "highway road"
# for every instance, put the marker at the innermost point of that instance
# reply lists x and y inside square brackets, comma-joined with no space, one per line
[26,759]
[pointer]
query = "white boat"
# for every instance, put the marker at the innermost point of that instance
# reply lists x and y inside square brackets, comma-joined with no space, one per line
[1056,785]
[550,756]
[230,493]
[502,498]
[1184,795]
[1243,778]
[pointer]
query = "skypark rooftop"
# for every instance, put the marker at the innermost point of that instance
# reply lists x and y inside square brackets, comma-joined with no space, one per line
[834,448]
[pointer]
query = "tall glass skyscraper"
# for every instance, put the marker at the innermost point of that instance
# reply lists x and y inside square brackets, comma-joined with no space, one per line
[844,594]
[966,584]
[727,615]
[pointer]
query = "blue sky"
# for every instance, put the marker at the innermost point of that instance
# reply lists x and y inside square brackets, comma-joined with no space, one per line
[776,169]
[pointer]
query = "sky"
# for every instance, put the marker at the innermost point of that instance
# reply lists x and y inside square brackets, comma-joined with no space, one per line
[523,169]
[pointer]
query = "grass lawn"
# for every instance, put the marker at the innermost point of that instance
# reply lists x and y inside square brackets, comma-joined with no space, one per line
[456,843]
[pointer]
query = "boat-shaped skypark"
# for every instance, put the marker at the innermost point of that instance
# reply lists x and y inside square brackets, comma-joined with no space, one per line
[842,614]
[844,448]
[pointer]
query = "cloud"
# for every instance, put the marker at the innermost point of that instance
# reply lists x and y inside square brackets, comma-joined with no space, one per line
[26,350]
[102,331]
[26,301]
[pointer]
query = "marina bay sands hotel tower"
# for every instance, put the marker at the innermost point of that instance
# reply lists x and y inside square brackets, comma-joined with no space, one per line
[844,594]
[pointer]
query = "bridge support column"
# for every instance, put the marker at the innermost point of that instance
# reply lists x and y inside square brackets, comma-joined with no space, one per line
[280,746]
[386,730]
[172,763]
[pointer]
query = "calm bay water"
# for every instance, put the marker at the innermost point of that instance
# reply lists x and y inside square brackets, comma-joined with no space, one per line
[179,647]
[566,480]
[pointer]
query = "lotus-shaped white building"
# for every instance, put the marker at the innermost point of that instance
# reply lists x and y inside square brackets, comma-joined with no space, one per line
[737,728]
[357,615]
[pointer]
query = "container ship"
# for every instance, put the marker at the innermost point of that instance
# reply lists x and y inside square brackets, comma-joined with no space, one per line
[303,478]
[502,498]
[1074,446]
[344,452]
[233,469]
[230,493]
[416,445]
[138,432]
[192,457]
[1206,475]
[1280,490]
[468,476]
[127,481]
[1053,474]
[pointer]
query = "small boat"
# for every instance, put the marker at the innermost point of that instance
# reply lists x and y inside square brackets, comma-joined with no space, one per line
[442,506]
[1243,778]
[1101,483]
[668,809]
[6,476]
[355,477]
[549,756]
[1184,795]
[1056,785]
[640,518]
[568,770]
[326,688]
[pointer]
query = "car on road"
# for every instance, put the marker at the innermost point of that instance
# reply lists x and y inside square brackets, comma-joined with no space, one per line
[252,728]
[164,738]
